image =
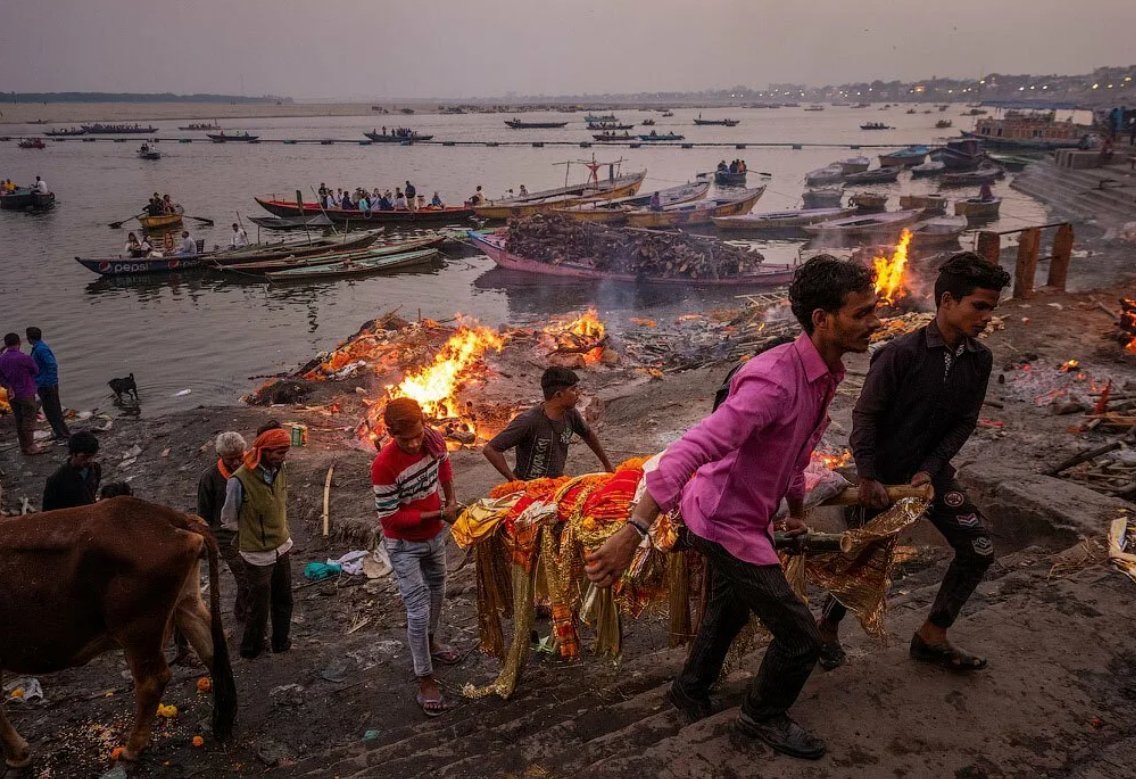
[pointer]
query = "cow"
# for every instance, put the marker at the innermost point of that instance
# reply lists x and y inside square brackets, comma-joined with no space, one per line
[120,573]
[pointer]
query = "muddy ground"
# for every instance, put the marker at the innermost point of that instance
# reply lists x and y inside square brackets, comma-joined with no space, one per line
[1058,699]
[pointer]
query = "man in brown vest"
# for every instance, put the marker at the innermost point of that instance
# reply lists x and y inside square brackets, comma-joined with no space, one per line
[256,509]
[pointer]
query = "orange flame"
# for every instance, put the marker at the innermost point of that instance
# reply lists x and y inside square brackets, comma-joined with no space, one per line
[889,273]
[1128,323]
[582,331]
[1069,366]
[832,461]
[435,386]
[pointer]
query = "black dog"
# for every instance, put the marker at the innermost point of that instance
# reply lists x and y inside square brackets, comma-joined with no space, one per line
[125,386]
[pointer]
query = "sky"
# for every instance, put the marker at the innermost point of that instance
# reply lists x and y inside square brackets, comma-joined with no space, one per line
[375,49]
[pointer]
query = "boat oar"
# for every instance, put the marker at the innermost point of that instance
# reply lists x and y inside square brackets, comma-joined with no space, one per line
[117,225]
[201,219]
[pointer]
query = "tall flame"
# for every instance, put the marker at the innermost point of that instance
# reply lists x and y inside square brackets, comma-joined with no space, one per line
[889,273]
[436,385]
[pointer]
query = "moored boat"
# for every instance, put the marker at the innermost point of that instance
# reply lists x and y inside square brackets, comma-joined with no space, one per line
[960,154]
[654,136]
[327,256]
[720,122]
[822,197]
[851,165]
[355,266]
[447,214]
[494,247]
[868,202]
[905,157]
[332,244]
[1011,162]
[615,211]
[518,124]
[829,174]
[985,174]
[938,231]
[780,220]
[317,222]
[223,137]
[25,199]
[929,168]
[928,204]
[863,226]
[1028,130]
[563,197]
[699,212]
[976,209]
[726,178]
[883,175]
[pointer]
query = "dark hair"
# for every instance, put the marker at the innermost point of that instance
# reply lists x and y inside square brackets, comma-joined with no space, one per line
[271,424]
[34,334]
[114,490]
[555,379]
[965,272]
[11,339]
[83,442]
[823,282]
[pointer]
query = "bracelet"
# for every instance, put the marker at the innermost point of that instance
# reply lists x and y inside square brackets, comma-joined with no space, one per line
[639,528]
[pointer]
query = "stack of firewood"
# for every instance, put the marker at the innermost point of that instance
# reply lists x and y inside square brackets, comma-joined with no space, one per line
[555,239]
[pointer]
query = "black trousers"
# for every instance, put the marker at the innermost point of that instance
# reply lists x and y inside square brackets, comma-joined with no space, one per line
[24,412]
[964,528]
[227,544]
[738,589]
[269,592]
[53,411]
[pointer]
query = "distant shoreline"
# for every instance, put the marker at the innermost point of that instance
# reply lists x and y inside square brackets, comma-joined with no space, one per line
[74,113]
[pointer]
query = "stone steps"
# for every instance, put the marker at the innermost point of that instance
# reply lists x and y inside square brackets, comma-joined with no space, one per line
[1078,193]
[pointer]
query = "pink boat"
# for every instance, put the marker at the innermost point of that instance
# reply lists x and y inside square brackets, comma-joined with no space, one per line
[494,247]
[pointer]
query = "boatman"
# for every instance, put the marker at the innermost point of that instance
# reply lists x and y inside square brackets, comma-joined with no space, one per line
[239,238]
[41,186]
[728,475]
[919,405]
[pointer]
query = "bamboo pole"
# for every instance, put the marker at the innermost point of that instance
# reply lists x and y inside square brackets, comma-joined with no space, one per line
[851,495]
[327,500]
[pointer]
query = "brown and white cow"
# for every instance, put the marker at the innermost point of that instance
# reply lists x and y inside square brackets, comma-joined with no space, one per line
[120,573]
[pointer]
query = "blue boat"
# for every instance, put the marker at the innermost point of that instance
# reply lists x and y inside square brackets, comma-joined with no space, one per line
[905,157]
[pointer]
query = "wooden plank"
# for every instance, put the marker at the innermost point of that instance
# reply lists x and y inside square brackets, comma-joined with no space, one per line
[1026,267]
[1062,254]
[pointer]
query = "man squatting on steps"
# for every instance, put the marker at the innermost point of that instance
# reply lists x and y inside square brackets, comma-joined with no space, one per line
[744,458]
[920,403]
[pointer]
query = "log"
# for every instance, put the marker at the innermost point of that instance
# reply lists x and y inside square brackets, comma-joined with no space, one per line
[851,495]
[327,500]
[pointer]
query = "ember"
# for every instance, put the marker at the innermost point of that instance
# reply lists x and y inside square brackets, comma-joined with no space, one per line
[1127,325]
[584,335]
[890,273]
[833,460]
[1069,366]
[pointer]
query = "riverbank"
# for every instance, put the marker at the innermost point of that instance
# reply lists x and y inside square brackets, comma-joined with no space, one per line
[340,702]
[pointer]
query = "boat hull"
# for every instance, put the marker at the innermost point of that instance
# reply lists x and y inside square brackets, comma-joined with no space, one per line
[126,266]
[977,210]
[616,211]
[23,199]
[340,216]
[863,227]
[695,214]
[724,178]
[362,267]
[607,190]
[784,220]
[332,255]
[776,275]
[164,222]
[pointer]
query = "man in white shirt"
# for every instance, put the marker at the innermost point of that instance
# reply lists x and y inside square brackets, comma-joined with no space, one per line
[188,246]
[239,238]
[41,186]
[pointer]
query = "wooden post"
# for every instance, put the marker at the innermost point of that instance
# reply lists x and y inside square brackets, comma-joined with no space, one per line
[1026,268]
[990,246]
[1062,254]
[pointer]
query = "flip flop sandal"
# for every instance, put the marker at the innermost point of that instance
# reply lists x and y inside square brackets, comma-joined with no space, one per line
[945,656]
[447,656]
[433,707]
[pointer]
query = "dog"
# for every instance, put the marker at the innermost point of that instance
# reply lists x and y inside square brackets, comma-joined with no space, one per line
[124,386]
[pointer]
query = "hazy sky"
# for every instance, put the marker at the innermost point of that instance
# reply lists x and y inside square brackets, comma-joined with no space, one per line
[468,48]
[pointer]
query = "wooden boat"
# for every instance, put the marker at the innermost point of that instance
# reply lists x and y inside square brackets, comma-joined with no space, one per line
[1011,162]
[332,244]
[875,126]
[985,174]
[939,231]
[780,220]
[222,137]
[401,135]
[355,267]
[929,168]
[199,127]
[943,124]
[117,129]
[563,197]
[905,157]
[615,211]
[976,209]
[317,222]
[648,122]
[494,247]
[960,154]
[719,122]
[600,119]
[699,212]
[149,153]
[609,136]
[928,204]
[70,132]
[351,216]
[668,114]
[815,108]
[654,136]
[32,143]
[829,174]
[725,178]
[607,126]
[25,199]
[824,197]
[1029,130]
[868,202]
[518,124]
[864,225]
[330,255]
[127,266]
[884,175]
[163,222]
[852,165]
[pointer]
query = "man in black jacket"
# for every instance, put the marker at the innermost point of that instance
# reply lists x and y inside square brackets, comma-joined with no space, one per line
[920,404]
[211,499]
[76,483]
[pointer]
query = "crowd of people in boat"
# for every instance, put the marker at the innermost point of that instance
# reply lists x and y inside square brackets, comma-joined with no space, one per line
[162,205]
[137,248]
[405,198]
[736,166]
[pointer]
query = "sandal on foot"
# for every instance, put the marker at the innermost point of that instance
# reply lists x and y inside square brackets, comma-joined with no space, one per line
[832,655]
[433,707]
[945,656]
[446,655]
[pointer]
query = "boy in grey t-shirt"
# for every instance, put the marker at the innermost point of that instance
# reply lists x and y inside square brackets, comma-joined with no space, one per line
[541,434]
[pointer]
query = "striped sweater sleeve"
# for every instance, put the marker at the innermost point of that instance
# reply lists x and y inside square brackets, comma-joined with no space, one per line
[388,499]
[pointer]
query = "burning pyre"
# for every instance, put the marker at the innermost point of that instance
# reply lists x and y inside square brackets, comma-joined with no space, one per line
[891,274]
[1126,325]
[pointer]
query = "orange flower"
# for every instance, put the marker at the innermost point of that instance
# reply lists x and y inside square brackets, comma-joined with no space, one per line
[198,741]
[204,684]
[116,753]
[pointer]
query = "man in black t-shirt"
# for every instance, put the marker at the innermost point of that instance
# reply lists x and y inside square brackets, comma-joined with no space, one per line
[541,434]
[76,483]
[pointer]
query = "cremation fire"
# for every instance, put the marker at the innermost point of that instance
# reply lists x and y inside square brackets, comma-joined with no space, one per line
[832,460]
[584,335]
[890,274]
[1127,324]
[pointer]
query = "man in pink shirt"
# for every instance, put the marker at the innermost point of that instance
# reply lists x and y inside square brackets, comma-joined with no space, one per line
[728,475]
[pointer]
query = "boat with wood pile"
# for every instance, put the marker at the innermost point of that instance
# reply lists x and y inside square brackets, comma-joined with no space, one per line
[654,136]
[719,122]
[976,209]
[223,137]
[850,165]
[985,174]
[616,211]
[780,220]
[400,135]
[117,129]
[352,216]
[726,178]
[162,222]
[939,231]
[829,174]
[494,247]
[884,175]
[317,222]
[699,212]
[26,199]
[327,256]
[355,266]
[822,197]
[863,226]
[929,168]
[905,157]
[518,124]
[562,197]
[928,204]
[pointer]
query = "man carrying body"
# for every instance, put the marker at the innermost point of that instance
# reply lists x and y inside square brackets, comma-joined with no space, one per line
[542,433]
[920,404]
[76,483]
[211,491]
[18,374]
[47,383]
[728,475]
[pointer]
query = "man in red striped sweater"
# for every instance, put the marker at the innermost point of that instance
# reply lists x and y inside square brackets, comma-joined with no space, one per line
[409,477]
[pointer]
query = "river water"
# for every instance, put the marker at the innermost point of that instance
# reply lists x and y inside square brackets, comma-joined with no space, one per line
[210,335]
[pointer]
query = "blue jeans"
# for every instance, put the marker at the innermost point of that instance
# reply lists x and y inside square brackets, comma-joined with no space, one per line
[420,568]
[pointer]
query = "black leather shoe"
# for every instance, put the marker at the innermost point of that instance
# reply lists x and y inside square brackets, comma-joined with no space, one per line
[783,735]
[692,709]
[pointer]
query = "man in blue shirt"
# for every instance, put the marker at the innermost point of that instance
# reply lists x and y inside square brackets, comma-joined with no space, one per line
[47,384]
